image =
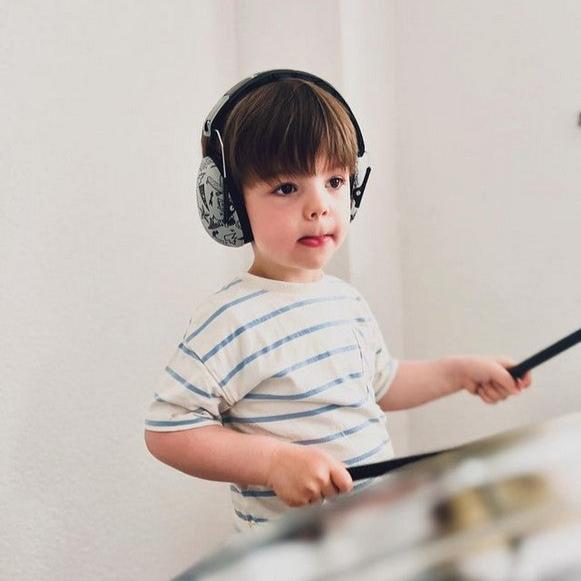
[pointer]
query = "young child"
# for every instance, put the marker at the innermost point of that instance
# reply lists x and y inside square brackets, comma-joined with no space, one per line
[283,377]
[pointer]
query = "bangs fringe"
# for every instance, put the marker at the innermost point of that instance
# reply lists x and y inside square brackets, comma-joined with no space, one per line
[283,128]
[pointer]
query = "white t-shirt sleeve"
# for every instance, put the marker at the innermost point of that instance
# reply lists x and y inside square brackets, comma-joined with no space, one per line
[385,371]
[385,364]
[188,396]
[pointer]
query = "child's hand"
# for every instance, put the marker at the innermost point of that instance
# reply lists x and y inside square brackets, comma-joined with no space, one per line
[488,378]
[302,475]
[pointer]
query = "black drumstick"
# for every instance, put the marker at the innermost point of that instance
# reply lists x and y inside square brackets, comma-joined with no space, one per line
[379,468]
[542,356]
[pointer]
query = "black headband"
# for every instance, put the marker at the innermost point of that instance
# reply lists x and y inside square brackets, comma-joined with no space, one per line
[220,111]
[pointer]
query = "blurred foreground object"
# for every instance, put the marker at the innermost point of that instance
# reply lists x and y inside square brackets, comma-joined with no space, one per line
[505,507]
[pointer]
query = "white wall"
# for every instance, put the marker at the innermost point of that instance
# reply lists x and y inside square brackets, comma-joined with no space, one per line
[102,259]
[489,173]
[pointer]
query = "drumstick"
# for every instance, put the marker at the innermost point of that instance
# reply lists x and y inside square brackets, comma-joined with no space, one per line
[380,468]
[542,356]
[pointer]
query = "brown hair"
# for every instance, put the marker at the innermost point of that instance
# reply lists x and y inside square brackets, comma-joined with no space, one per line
[281,128]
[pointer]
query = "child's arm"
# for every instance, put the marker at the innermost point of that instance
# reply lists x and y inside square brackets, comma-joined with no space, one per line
[299,475]
[418,382]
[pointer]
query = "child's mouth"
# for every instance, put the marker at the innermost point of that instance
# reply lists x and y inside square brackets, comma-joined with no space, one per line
[314,241]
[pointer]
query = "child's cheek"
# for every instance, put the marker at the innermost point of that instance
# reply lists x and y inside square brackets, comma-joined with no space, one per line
[345,214]
[275,228]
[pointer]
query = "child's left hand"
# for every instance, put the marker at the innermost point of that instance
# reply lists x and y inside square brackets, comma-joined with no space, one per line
[488,378]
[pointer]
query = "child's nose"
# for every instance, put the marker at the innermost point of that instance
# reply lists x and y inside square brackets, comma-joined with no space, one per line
[317,203]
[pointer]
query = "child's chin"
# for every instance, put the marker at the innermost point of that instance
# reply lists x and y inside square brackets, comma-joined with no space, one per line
[317,263]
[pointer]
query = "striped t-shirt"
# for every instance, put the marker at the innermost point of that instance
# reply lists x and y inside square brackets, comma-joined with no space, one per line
[303,362]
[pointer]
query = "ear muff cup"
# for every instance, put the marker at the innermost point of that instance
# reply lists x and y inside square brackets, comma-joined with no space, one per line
[217,212]
[358,183]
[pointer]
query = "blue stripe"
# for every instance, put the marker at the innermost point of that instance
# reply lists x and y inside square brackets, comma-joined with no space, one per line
[366,454]
[364,484]
[267,317]
[305,394]
[167,423]
[280,342]
[249,517]
[253,493]
[222,309]
[189,352]
[314,359]
[340,434]
[224,288]
[282,417]
[188,385]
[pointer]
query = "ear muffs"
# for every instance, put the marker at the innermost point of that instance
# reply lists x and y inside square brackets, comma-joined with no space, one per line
[216,207]
[220,206]
[358,183]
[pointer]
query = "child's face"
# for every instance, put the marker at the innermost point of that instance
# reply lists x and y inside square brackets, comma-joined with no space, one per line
[298,222]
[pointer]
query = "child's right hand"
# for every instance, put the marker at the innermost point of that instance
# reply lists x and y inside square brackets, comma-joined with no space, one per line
[303,475]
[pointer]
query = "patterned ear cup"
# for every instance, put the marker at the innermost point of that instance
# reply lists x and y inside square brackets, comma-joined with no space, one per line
[358,182]
[217,213]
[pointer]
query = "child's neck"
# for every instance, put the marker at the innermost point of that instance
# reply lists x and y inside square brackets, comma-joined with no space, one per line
[286,275]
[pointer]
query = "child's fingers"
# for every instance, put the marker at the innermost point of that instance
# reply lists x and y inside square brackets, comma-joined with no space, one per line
[520,382]
[503,378]
[341,478]
[525,380]
[481,393]
[314,498]
[502,391]
[329,489]
[491,393]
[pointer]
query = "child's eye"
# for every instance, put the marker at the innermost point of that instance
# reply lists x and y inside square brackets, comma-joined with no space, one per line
[336,182]
[285,189]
